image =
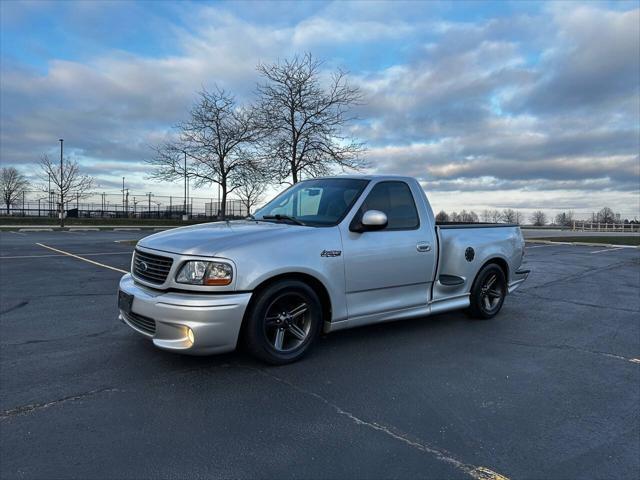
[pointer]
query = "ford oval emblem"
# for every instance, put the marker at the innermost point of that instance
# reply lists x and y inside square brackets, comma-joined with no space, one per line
[143,266]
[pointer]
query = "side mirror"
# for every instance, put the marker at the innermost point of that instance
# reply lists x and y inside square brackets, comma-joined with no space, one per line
[371,220]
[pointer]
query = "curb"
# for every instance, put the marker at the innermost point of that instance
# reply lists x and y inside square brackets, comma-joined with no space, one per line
[583,244]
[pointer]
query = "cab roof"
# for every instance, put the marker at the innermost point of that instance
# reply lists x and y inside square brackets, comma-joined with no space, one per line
[367,177]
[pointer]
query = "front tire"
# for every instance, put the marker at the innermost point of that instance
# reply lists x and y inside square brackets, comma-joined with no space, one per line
[283,322]
[488,292]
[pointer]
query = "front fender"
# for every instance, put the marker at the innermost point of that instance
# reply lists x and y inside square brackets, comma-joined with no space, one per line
[300,252]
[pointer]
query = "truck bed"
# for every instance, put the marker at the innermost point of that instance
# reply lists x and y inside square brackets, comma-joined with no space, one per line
[463,248]
[447,225]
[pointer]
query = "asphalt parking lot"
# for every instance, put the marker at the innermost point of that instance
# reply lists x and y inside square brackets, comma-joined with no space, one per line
[548,389]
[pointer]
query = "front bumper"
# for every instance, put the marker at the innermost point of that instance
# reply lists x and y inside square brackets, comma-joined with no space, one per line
[214,319]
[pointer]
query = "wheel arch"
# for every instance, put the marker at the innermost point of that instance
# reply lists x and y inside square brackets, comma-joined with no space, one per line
[317,285]
[500,262]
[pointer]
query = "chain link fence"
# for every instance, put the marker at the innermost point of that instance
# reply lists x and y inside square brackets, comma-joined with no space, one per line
[113,205]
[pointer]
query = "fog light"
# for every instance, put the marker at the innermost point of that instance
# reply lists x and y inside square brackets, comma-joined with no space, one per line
[190,335]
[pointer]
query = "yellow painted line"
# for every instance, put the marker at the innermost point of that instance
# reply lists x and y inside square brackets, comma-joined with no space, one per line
[483,473]
[82,258]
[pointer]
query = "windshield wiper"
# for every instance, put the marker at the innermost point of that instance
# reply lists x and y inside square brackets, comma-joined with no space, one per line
[283,217]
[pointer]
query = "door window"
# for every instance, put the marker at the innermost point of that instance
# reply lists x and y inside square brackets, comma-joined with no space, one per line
[396,201]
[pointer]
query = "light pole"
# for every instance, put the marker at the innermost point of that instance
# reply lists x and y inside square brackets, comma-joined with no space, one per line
[49,191]
[185,186]
[61,185]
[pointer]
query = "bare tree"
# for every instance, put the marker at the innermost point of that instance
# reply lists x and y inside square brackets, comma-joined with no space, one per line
[251,190]
[442,217]
[12,185]
[492,216]
[538,218]
[468,217]
[606,215]
[218,139]
[509,215]
[67,180]
[464,217]
[519,217]
[564,218]
[169,163]
[305,121]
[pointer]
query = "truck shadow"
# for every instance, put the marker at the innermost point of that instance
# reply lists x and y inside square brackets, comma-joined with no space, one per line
[395,335]
[388,331]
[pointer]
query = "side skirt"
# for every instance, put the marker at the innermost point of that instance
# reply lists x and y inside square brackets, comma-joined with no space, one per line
[438,306]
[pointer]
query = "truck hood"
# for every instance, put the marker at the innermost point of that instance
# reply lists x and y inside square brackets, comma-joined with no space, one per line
[209,238]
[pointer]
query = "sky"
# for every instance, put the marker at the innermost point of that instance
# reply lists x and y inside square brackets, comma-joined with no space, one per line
[522,105]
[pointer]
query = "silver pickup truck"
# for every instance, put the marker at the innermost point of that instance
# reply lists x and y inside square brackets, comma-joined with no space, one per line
[325,254]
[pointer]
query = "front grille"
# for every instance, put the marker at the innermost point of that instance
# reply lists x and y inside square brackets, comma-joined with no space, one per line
[150,267]
[145,324]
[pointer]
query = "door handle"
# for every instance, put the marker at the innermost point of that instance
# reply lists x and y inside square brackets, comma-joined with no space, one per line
[423,247]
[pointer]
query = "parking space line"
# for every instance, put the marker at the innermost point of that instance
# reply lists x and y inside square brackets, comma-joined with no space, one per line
[609,250]
[82,258]
[60,255]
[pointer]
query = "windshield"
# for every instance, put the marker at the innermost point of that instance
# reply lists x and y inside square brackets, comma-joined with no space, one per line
[322,202]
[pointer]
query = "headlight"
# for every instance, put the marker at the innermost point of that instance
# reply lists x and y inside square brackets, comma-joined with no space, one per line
[196,272]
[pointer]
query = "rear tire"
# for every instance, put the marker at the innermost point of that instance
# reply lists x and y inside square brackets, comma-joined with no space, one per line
[283,322]
[488,292]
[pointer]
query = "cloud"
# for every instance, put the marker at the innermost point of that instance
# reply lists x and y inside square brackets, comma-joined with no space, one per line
[321,30]
[545,100]
[470,114]
[593,63]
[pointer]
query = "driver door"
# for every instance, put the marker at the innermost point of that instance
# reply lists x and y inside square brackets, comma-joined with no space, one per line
[389,269]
